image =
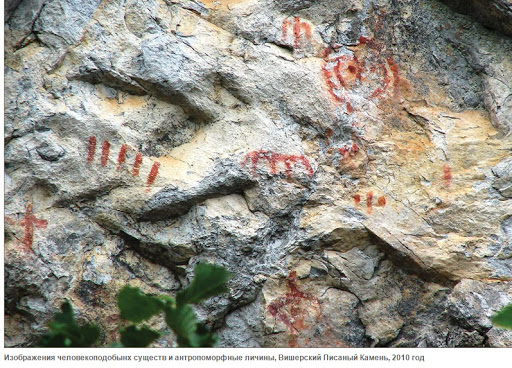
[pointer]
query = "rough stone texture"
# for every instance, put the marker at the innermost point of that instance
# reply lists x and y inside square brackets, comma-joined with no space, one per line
[349,161]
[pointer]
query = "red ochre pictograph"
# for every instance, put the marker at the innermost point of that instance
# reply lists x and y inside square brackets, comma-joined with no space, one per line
[300,32]
[347,152]
[30,221]
[294,307]
[274,158]
[369,202]
[447,175]
[136,164]
[92,149]
[105,151]
[381,201]
[344,73]
[121,159]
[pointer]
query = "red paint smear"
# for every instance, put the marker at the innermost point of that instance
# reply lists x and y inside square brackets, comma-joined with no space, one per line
[330,84]
[396,77]
[9,220]
[357,199]
[329,132]
[447,175]
[296,32]
[363,40]
[369,201]
[92,148]
[122,156]
[385,83]
[307,31]
[294,319]
[274,158]
[153,173]
[337,72]
[284,29]
[344,151]
[327,51]
[136,164]
[105,151]
[350,109]
[29,222]
[382,201]
[359,66]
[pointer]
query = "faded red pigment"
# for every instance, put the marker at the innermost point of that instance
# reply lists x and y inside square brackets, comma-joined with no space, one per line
[30,221]
[121,158]
[345,66]
[274,158]
[347,152]
[153,173]
[105,152]
[289,310]
[381,201]
[298,28]
[284,28]
[369,202]
[357,199]
[447,175]
[92,149]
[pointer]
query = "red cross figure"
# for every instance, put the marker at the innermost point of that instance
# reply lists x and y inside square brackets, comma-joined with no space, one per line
[29,222]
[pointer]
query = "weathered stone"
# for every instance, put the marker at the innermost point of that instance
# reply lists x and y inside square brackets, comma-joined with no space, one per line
[348,162]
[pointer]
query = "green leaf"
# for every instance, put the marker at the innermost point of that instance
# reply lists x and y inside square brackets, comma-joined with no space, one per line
[504,317]
[64,332]
[138,337]
[136,306]
[209,280]
[203,337]
[182,320]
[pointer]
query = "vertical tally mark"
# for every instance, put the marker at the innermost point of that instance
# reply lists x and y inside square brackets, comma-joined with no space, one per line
[92,149]
[137,163]
[105,151]
[152,174]
[121,159]
[447,175]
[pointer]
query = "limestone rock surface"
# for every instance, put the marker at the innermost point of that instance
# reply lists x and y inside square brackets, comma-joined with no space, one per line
[349,161]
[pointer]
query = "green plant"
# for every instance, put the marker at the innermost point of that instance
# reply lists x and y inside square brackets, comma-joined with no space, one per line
[64,332]
[503,318]
[137,307]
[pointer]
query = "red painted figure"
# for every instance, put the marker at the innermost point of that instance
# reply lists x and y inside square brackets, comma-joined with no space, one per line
[291,308]
[274,158]
[29,221]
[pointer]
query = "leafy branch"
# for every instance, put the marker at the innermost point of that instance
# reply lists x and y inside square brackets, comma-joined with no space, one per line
[503,318]
[137,307]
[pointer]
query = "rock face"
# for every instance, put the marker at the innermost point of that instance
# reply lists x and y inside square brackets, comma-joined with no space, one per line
[349,161]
